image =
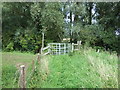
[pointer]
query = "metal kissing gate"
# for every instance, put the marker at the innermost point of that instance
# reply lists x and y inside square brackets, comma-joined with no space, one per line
[60,48]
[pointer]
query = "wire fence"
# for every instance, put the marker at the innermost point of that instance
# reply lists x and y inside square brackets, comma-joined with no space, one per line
[23,78]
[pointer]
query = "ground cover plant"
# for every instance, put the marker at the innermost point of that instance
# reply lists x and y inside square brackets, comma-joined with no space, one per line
[83,69]
[32,26]
[11,62]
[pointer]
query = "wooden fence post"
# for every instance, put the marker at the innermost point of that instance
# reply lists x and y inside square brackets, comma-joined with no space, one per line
[38,57]
[69,47]
[72,47]
[64,48]
[42,42]
[79,44]
[42,39]
[41,51]
[49,49]
[22,82]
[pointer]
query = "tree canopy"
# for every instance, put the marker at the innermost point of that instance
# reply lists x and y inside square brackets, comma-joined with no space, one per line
[94,23]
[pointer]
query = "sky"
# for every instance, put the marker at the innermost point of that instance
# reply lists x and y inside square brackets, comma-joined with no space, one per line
[67,19]
[68,14]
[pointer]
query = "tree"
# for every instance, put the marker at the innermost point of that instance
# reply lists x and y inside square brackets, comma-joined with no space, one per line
[108,17]
[76,13]
[30,19]
[53,20]
[15,16]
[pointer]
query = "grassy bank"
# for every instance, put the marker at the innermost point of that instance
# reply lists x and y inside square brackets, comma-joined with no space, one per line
[83,69]
[14,58]
[11,62]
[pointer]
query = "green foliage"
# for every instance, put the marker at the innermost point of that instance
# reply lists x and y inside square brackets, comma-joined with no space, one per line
[78,71]
[10,73]
[23,24]
[10,47]
[48,18]
[8,76]
[28,40]
[29,22]
[34,75]
[14,16]
[52,20]
[90,34]
[84,69]
[71,53]
[109,22]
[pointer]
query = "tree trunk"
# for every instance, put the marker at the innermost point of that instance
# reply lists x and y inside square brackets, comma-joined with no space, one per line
[76,19]
[90,12]
[70,27]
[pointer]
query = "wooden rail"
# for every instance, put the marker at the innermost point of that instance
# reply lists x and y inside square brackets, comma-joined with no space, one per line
[76,47]
[46,48]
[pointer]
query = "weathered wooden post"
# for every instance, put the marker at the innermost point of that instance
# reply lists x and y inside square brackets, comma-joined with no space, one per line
[59,48]
[56,46]
[49,49]
[22,82]
[69,47]
[38,57]
[72,47]
[79,44]
[64,48]
[42,42]
[98,51]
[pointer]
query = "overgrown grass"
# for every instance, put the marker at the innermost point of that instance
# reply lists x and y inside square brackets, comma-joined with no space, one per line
[11,62]
[83,69]
[16,58]
[9,78]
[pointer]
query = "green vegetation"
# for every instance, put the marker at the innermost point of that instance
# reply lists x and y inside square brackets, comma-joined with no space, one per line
[8,76]
[82,69]
[16,58]
[85,69]
[23,24]
[11,62]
